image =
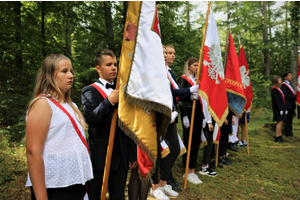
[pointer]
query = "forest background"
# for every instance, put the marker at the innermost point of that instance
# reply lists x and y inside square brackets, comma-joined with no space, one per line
[31,30]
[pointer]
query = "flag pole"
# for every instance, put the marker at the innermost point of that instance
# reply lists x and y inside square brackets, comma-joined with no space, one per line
[194,101]
[246,129]
[111,134]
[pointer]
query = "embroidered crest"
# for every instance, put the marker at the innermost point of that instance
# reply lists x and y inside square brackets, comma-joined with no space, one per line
[215,68]
[245,77]
[298,84]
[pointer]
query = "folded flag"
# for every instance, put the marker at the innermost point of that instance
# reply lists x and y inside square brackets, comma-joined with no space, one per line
[145,101]
[234,87]
[245,76]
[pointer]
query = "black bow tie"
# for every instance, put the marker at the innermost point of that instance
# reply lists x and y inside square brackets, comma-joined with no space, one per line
[109,86]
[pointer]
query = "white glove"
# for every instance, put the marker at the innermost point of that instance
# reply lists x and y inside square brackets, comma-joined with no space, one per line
[286,112]
[194,89]
[281,112]
[173,116]
[186,122]
[194,96]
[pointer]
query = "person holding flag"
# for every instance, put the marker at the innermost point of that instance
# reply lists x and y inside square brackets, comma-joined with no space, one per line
[187,80]
[279,107]
[184,94]
[99,101]
[290,98]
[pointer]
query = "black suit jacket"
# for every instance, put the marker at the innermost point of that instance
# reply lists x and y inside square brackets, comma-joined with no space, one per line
[183,94]
[98,113]
[278,105]
[290,98]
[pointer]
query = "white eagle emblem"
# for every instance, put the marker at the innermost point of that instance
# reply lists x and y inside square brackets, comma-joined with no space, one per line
[215,68]
[245,77]
[298,84]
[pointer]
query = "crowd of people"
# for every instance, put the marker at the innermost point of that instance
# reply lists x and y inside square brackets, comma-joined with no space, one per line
[62,164]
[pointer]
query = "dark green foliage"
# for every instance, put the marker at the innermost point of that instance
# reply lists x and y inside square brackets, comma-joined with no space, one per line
[31,30]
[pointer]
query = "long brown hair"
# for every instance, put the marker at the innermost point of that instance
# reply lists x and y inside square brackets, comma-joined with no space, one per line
[188,63]
[46,84]
[275,81]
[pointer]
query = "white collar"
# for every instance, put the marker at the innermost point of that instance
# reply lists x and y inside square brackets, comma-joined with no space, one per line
[104,82]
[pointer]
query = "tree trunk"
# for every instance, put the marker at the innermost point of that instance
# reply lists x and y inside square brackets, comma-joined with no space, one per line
[43,5]
[270,25]
[188,25]
[67,23]
[125,4]
[109,25]
[265,39]
[295,6]
[286,24]
[18,39]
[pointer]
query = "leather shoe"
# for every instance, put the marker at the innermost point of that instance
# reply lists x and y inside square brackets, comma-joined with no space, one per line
[232,147]
[225,161]
[212,165]
[282,140]
[175,182]
[174,187]
[277,139]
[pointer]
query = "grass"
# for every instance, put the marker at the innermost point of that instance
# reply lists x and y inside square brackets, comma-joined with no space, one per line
[270,171]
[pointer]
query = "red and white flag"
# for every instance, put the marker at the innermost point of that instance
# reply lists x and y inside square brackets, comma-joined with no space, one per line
[212,85]
[233,82]
[245,78]
[298,86]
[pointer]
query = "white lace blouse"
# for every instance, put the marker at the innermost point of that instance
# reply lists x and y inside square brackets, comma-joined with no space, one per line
[66,159]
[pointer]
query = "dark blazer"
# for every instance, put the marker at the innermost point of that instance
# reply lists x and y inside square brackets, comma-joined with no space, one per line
[183,94]
[186,107]
[98,113]
[278,105]
[290,98]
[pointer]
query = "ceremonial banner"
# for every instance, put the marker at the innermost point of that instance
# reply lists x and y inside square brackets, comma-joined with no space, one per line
[234,87]
[144,87]
[298,86]
[212,85]
[216,134]
[203,140]
[245,76]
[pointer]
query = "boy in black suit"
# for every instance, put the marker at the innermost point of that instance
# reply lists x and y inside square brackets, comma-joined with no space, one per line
[290,103]
[99,101]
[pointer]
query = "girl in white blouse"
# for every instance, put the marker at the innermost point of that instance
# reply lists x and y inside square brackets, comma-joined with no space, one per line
[58,158]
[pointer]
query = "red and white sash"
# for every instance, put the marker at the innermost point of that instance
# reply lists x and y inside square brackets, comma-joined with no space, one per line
[280,93]
[101,89]
[174,84]
[72,121]
[290,87]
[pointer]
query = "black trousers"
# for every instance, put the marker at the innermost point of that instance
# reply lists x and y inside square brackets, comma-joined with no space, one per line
[208,149]
[225,131]
[195,144]
[288,126]
[73,192]
[172,141]
[116,184]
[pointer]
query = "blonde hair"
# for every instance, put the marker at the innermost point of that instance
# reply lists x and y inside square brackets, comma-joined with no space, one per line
[188,63]
[46,84]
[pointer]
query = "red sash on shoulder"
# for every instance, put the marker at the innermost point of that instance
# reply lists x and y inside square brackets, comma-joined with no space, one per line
[104,95]
[280,93]
[72,120]
[173,86]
